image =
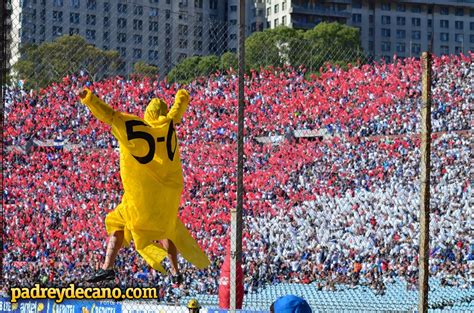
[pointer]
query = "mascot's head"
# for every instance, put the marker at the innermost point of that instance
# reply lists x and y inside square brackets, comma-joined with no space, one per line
[155,109]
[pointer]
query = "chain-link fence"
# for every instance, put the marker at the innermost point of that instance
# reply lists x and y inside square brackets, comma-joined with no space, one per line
[331,159]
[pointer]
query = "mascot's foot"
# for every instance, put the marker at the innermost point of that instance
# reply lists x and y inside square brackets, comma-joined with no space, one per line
[102,275]
[177,279]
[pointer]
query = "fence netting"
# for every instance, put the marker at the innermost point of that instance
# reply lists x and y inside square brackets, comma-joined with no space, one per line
[331,172]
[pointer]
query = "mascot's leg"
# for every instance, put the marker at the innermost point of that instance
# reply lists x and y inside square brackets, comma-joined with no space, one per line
[113,247]
[169,246]
[118,237]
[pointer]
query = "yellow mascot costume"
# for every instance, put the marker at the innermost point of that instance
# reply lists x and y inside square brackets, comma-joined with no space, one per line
[150,168]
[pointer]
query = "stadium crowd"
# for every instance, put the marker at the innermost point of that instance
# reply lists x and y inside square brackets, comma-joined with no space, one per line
[341,208]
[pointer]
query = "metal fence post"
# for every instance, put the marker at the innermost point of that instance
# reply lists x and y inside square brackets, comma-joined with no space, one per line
[236,214]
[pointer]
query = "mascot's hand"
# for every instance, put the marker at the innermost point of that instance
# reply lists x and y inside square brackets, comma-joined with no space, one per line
[82,94]
[182,96]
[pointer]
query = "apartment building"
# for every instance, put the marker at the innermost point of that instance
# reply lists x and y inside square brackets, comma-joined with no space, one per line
[159,32]
[405,28]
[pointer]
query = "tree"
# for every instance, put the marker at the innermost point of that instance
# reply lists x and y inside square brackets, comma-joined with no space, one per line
[193,67]
[41,65]
[141,69]
[274,47]
[229,60]
[326,42]
[334,43]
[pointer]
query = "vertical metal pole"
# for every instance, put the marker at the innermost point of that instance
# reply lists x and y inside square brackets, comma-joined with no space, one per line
[425,151]
[236,214]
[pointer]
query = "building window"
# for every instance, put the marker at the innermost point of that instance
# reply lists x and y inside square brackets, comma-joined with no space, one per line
[385,20]
[400,47]
[276,8]
[459,37]
[122,37]
[416,8]
[401,7]
[444,36]
[356,18]
[430,23]
[106,21]
[57,30]
[213,4]
[198,44]
[416,35]
[75,4]
[106,36]
[57,16]
[444,23]
[459,12]
[137,25]
[385,6]
[471,25]
[416,48]
[371,19]
[153,55]
[444,10]
[153,12]
[233,8]
[444,49]
[106,7]
[153,26]
[386,32]
[401,34]
[198,31]
[181,57]
[122,8]
[90,34]
[283,21]
[137,39]
[430,34]
[90,19]
[137,53]
[283,6]
[92,5]
[122,51]
[386,46]
[152,41]
[400,20]
[269,11]
[73,31]
[168,15]
[183,43]
[183,30]
[357,4]
[276,22]
[138,10]
[74,18]
[168,28]
[471,38]
[371,46]
[415,21]
[371,31]
[459,25]
[457,50]
[58,3]
[198,4]
[121,23]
